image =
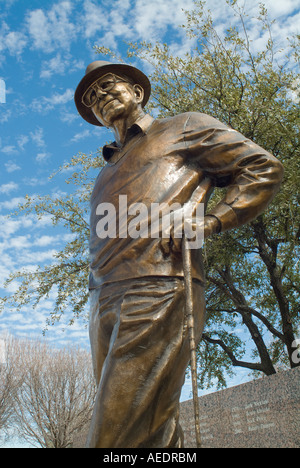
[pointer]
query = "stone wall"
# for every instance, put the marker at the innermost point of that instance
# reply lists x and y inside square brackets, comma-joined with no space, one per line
[264,413]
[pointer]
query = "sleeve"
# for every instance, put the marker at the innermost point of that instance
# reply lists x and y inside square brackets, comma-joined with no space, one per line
[252,175]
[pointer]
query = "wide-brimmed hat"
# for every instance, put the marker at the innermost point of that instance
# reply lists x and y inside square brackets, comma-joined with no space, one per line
[99,68]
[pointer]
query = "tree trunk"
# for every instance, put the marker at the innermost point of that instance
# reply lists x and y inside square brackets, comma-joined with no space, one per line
[268,253]
[242,307]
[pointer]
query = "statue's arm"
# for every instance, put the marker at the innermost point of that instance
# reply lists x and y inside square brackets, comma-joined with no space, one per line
[251,174]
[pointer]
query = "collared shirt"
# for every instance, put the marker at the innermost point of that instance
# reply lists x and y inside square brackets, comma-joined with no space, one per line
[112,153]
[174,160]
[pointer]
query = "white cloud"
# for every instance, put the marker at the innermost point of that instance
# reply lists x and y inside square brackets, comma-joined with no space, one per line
[38,137]
[12,41]
[54,65]
[59,65]
[94,18]
[22,140]
[109,39]
[11,166]
[57,99]
[46,221]
[77,65]
[41,157]
[11,225]
[38,257]
[8,227]
[11,204]
[5,116]
[81,135]
[279,8]
[39,29]
[52,29]
[15,42]
[151,19]
[9,149]
[68,117]
[285,13]
[49,68]
[44,241]
[34,181]
[45,104]
[128,20]
[19,242]
[8,188]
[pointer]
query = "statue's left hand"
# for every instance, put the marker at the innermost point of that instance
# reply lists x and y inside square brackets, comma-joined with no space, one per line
[172,241]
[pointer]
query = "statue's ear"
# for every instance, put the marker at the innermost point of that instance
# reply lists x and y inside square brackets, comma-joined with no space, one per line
[139,92]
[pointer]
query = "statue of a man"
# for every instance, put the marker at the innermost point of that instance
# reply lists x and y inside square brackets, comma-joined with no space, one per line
[138,330]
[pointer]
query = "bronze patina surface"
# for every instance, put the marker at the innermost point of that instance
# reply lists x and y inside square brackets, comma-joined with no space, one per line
[138,330]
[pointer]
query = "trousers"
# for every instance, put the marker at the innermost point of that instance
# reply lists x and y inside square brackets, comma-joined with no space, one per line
[140,352]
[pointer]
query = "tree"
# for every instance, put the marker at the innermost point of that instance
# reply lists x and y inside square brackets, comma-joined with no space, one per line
[56,398]
[11,376]
[253,272]
[70,267]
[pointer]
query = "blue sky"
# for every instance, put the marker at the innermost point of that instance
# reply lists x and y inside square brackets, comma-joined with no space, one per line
[44,50]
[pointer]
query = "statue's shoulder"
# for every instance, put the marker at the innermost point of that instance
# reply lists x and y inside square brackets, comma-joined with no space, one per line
[189,116]
[186,117]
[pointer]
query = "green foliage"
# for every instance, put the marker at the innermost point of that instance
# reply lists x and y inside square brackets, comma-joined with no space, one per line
[67,275]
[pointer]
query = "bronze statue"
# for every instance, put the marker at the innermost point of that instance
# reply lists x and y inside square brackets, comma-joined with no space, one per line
[138,330]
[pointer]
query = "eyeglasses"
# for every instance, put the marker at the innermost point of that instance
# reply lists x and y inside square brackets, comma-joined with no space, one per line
[103,85]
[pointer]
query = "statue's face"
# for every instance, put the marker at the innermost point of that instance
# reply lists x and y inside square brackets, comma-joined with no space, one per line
[112,98]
